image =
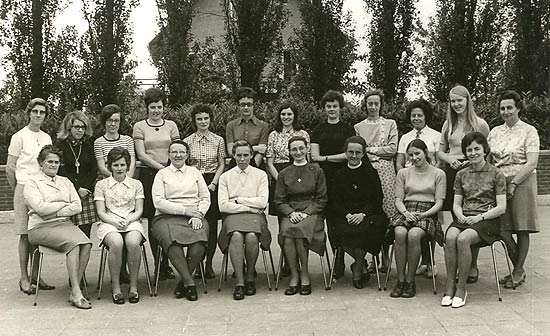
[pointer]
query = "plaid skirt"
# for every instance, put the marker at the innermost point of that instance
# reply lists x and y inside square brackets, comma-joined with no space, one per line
[430,225]
[88,214]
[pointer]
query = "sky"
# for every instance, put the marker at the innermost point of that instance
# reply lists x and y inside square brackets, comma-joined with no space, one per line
[145,27]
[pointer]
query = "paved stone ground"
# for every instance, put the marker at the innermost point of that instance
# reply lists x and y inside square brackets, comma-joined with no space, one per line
[343,310]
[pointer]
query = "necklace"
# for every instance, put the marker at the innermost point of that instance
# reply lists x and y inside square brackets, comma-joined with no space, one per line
[300,172]
[76,157]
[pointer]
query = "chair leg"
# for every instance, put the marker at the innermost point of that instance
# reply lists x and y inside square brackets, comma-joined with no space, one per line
[389,266]
[331,278]
[496,271]
[377,264]
[157,269]
[272,264]
[146,267]
[225,267]
[223,271]
[279,266]
[323,271]
[266,270]
[100,270]
[431,245]
[40,257]
[327,248]
[102,264]
[203,270]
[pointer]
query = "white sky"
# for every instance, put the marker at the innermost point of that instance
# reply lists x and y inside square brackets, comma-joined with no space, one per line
[145,27]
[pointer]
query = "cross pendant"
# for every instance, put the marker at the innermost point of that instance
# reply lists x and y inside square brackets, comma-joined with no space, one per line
[299,180]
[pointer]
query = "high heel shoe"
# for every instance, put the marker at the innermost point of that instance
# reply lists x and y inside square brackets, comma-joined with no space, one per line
[118,298]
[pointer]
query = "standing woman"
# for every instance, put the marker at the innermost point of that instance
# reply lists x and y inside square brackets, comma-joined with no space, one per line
[79,165]
[152,137]
[21,165]
[461,120]
[110,118]
[207,154]
[327,149]
[301,196]
[515,150]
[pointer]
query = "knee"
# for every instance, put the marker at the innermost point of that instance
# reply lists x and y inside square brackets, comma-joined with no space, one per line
[251,238]
[463,242]
[415,236]
[236,238]
[400,234]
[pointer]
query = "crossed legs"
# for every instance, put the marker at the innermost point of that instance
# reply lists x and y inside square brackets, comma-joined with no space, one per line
[518,250]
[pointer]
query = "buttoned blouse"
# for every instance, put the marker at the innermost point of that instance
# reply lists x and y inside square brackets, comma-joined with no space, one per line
[479,188]
[249,188]
[176,189]
[380,134]
[205,151]
[119,197]
[510,145]
[254,131]
[430,137]
[50,199]
[277,144]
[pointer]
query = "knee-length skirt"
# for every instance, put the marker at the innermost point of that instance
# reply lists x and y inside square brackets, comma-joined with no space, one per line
[312,229]
[430,225]
[244,222]
[521,210]
[176,229]
[61,235]
[103,229]
[487,230]
[368,235]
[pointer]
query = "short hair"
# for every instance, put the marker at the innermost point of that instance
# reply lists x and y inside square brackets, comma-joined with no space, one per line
[37,101]
[241,143]
[422,104]
[179,142]
[356,139]
[116,154]
[107,112]
[511,94]
[197,109]
[49,149]
[420,144]
[296,138]
[477,137]
[287,104]
[245,92]
[370,93]
[332,95]
[67,123]
[153,95]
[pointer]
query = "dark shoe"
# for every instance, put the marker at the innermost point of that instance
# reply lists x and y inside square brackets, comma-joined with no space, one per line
[125,278]
[43,285]
[249,288]
[473,278]
[504,280]
[191,293]
[291,290]
[118,298]
[397,291]
[514,284]
[133,297]
[179,292]
[409,290]
[358,283]
[238,293]
[305,290]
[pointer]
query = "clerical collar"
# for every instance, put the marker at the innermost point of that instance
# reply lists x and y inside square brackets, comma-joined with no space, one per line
[359,165]
[300,164]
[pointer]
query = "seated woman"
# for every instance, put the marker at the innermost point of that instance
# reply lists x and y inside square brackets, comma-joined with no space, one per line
[181,199]
[360,221]
[52,200]
[242,198]
[479,201]
[419,196]
[119,203]
[301,196]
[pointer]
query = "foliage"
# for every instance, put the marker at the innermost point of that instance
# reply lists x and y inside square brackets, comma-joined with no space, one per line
[253,35]
[324,50]
[391,51]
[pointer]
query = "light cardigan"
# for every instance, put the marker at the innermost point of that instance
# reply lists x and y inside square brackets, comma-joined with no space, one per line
[248,187]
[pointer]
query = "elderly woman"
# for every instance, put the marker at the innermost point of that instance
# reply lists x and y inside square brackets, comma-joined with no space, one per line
[301,196]
[181,198]
[461,120]
[515,151]
[21,165]
[52,200]
[79,164]
[119,201]
[208,156]
[110,118]
[419,195]
[480,199]
[151,138]
[361,222]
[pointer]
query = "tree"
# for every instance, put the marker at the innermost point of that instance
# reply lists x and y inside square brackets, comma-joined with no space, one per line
[253,35]
[325,48]
[391,51]
[463,46]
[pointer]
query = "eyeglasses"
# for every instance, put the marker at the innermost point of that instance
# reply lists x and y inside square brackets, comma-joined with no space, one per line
[79,127]
[178,152]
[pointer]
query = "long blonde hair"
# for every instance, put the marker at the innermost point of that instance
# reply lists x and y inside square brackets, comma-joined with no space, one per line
[471,118]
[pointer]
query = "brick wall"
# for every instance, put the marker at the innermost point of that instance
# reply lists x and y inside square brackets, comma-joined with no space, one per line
[543,178]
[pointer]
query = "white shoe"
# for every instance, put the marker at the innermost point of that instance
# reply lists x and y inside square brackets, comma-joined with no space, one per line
[446,301]
[421,269]
[458,302]
[431,272]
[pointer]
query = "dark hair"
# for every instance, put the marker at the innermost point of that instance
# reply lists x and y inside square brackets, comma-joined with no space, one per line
[370,93]
[241,143]
[180,142]
[107,112]
[358,140]
[153,95]
[422,104]
[34,102]
[287,104]
[420,144]
[511,94]
[477,137]
[245,92]
[197,109]
[116,154]
[332,95]
[49,149]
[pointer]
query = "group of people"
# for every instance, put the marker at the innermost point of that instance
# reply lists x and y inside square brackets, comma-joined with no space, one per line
[371,190]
